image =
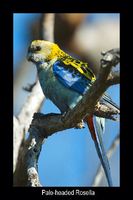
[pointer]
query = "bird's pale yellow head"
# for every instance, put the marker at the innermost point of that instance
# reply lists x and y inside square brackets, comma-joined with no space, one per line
[41,50]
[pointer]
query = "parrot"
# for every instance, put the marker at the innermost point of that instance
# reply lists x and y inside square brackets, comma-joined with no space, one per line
[65,80]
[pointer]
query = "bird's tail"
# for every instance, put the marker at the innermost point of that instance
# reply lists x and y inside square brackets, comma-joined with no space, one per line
[96,133]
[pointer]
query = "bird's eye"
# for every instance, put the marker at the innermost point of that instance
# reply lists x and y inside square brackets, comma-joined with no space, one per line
[34,49]
[37,48]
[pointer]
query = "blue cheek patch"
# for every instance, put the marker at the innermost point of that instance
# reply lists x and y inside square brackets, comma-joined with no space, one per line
[70,78]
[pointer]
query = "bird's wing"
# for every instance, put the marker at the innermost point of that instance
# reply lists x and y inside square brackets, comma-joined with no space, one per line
[81,67]
[71,78]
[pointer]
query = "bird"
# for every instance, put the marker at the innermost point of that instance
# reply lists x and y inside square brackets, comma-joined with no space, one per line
[65,80]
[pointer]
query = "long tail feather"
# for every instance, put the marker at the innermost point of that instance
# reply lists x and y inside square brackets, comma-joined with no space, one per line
[100,127]
[97,138]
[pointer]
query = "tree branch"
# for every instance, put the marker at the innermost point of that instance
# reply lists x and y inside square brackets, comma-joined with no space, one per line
[23,174]
[47,26]
[106,112]
[114,78]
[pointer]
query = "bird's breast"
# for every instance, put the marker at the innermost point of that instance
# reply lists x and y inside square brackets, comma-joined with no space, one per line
[63,97]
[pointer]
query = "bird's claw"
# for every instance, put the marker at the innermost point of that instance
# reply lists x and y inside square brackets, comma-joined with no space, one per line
[80,125]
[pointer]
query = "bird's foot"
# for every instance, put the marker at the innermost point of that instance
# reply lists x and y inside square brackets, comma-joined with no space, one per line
[80,125]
